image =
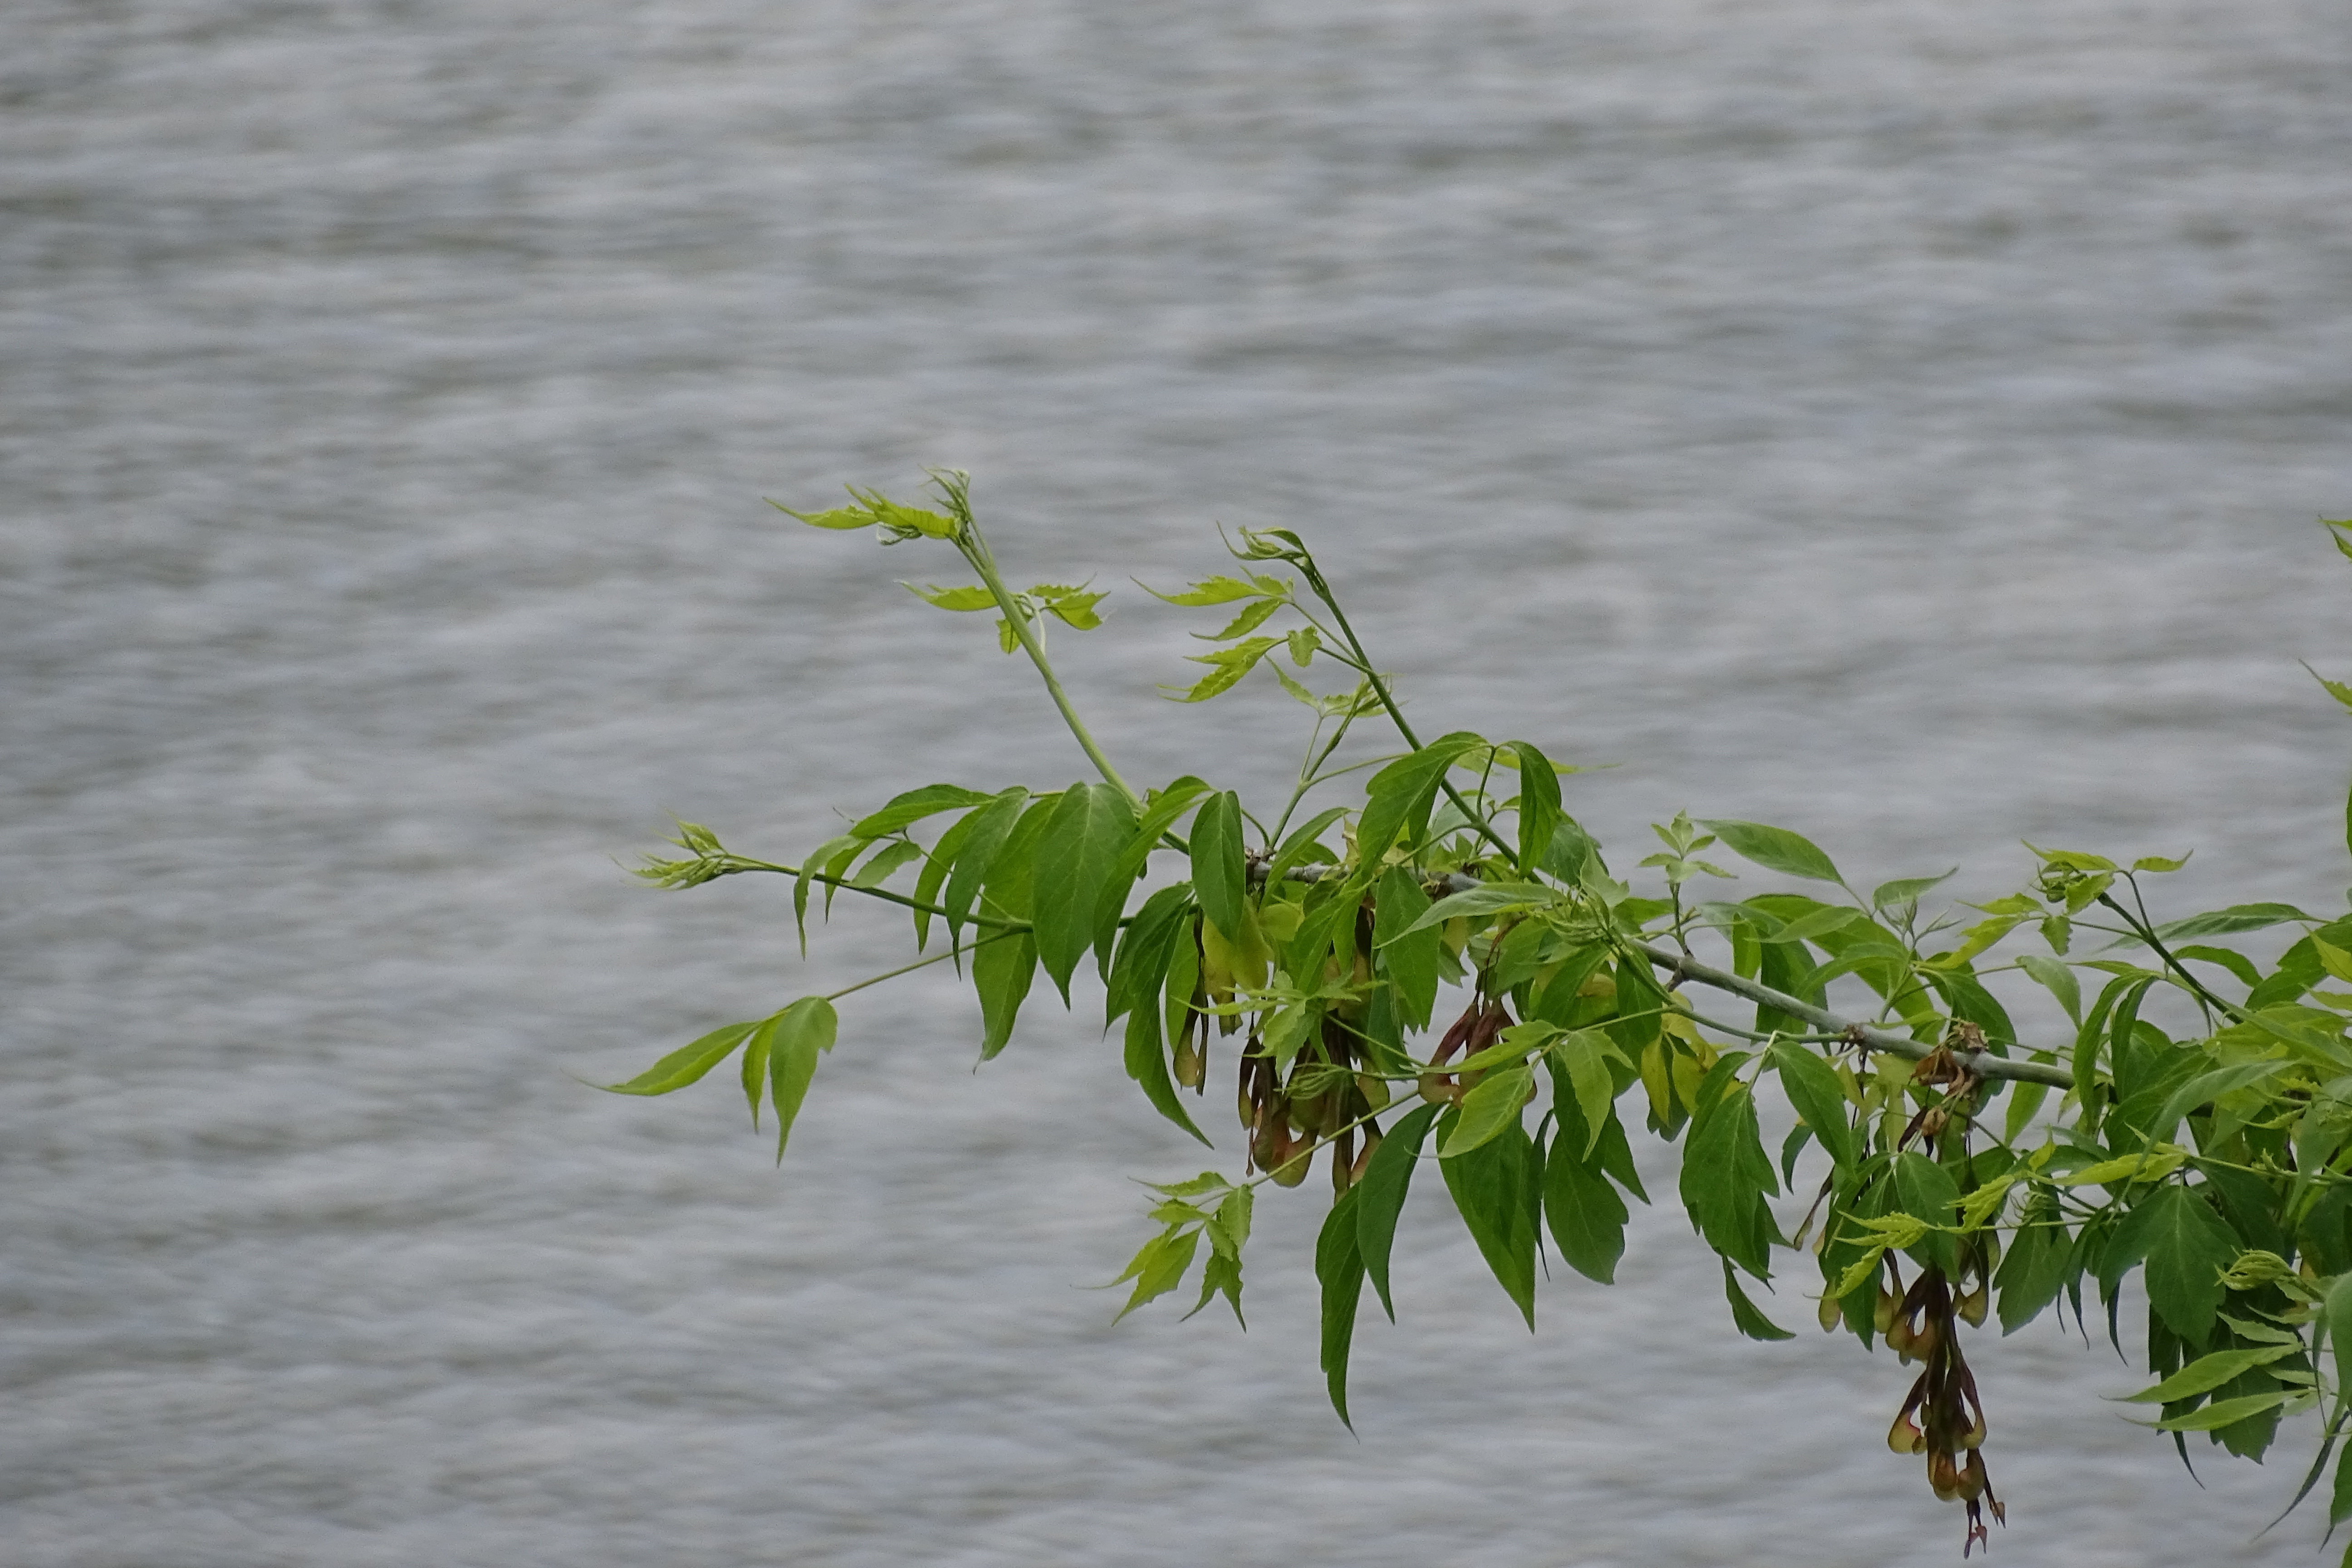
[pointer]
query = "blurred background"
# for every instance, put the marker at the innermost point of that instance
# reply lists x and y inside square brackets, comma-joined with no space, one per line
[1902,421]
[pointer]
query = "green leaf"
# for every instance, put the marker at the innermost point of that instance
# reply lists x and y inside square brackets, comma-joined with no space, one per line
[755,1073]
[1163,807]
[839,518]
[1492,1104]
[2034,1268]
[2236,918]
[1539,813]
[685,1065]
[821,858]
[1001,971]
[1227,667]
[2059,980]
[1774,849]
[1145,1057]
[1585,1055]
[1380,1194]
[1926,1191]
[2226,1412]
[1408,947]
[2336,689]
[2336,1309]
[1744,1314]
[1077,854]
[1248,621]
[1482,900]
[2209,1373]
[2339,1502]
[1812,1087]
[2208,1087]
[1144,951]
[1073,606]
[796,1035]
[1159,1268]
[2182,1246]
[1398,796]
[905,810]
[1489,1185]
[1176,1013]
[1300,844]
[983,842]
[1814,927]
[1216,591]
[1583,1212]
[1725,1174]
[884,862]
[1340,1269]
[972,598]
[1218,879]
[1906,890]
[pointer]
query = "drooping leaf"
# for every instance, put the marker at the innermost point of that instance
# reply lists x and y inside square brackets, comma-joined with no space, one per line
[1539,813]
[983,841]
[1144,953]
[1218,868]
[1745,1316]
[1407,947]
[2034,1266]
[688,1064]
[795,1036]
[1774,849]
[1725,1174]
[1340,1269]
[2182,1247]
[1001,971]
[2336,1309]
[1075,852]
[1380,1194]
[1009,892]
[885,861]
[824,857]
[1145,1057]
[1489,1185]
[1583,1212]
[1164,807]
[755,1072]
[1814,1090]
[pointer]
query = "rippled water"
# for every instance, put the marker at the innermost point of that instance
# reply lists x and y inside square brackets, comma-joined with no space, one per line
[1902,421]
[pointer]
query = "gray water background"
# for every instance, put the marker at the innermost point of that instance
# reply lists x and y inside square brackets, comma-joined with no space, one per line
[1904,421]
